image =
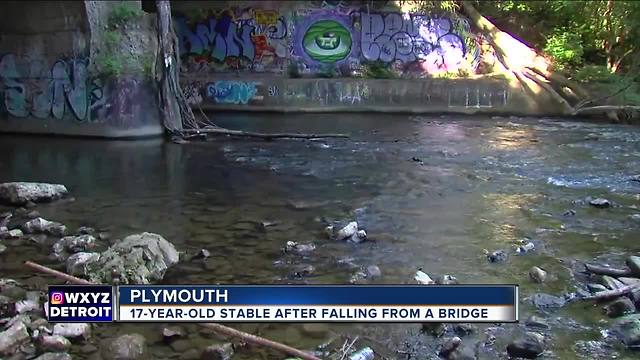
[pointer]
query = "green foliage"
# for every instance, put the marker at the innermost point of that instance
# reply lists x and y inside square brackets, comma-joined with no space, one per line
[565,48]
[595,73]
[377,70]
[293,69]
[112,39]
[328,71]
[110,65]
[123,13]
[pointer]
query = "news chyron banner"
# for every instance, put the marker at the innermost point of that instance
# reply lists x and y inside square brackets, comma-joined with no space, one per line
[284,303]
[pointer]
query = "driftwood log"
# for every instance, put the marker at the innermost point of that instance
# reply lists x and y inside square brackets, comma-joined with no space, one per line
[219,328]
[222,131]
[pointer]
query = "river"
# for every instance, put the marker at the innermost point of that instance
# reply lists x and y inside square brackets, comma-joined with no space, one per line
[432,192]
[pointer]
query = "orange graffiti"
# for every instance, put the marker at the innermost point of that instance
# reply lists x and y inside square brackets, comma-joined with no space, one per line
[262,46]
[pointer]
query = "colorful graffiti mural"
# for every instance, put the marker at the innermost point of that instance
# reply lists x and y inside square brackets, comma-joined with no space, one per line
[249,39]
[231,92]
[32,89]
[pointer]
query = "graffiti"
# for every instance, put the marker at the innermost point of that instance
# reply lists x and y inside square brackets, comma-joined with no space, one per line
[273,90]
[30,89]
[231,92]
[327,41]
[475,97]
[192,93]
[253,40]
[351,94]
[411,37]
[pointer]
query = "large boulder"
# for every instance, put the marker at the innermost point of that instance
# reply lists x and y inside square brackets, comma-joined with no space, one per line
[20,193]
[44,226]
[12,338]
[137,259]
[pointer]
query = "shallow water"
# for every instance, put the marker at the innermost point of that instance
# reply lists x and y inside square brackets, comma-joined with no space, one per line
[432,192]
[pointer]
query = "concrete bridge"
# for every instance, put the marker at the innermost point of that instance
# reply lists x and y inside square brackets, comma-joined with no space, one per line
[87,67]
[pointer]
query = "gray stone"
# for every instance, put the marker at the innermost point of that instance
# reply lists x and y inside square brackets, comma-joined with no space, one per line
[295,247]
[24,306]
[633,262]
[201,254]
[171,333]
[14,234]
[627,330]
[449,346]
[40,225]
[77,263]
[619,307]
[3,248]
[610,282]
[537,274]
[181,345]
[594,288]
[218,352]
[497,256]
[358,237]
[85,230]
[73,330]
[536,322]
[20,193]
[463,329]
[463,353]
[125,347]
[600,203]
[529,347]
[54,356]
[12,338]
[54,343]
[546,301]
[192,354]
[73,244]
[446,280]
[137,259]
[347,231]
[373,272]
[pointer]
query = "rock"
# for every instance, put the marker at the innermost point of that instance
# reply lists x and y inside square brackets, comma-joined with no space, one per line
[525,248]
[218,352]
[295,247]
[594,350]
[54,356]
[538,275]
[40,225]
[73,330]
[347,231]
[74,244]
[302,270]
[569,212]
[358,237]
[434,329]
[20,193]
[628,280]
[85,230]
[536,322]
[600,203]
[463,353]
[423,278]
[192,354]
[137,259]
[24,306]
[627,330]
[315,330]
[14,234]
[88,349]
[201,254]
[12,338]
[529,347]
[594,288]
[497,256]
[610,282]
[55,343]
[373,272]
[77,264]
[125,347]
[181,345]
[619,307]
[2,248]
[633,262]
[449,346]
[32,214]
[463,329]
[446,280]
[171,333]
[545,301]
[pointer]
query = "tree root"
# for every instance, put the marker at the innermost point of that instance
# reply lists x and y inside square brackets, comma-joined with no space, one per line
[610,294]
[603,270]
[221,329]
[222,131]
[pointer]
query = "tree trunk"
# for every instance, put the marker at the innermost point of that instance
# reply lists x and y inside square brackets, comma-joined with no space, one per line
[174,108]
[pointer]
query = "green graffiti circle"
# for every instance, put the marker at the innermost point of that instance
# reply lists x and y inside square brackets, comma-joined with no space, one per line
[327,41]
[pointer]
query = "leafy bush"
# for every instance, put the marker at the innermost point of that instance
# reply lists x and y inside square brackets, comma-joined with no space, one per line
[378,70]
[293,70]
[596,73]
[124,13]
[565,48]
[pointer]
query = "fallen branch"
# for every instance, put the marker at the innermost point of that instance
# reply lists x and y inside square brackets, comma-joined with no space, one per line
[584,103]
[603,270]
[605,108]
[246,337]
[263,135]
[609,294]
